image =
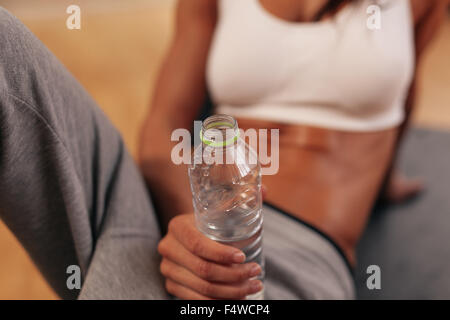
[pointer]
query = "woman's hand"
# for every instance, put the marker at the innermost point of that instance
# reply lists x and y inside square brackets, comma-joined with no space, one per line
[196,267]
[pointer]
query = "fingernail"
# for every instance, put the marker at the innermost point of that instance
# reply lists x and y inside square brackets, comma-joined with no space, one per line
[238,257]
[255,270]
[256,286]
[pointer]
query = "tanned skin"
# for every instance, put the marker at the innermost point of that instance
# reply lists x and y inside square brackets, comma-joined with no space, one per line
[196,267]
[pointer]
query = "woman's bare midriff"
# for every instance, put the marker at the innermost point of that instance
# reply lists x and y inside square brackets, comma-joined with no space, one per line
[328,178]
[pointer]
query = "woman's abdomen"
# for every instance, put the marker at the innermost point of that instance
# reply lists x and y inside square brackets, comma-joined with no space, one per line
[328,178]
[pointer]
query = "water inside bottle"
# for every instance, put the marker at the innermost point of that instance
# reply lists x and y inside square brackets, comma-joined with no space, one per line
[227,196]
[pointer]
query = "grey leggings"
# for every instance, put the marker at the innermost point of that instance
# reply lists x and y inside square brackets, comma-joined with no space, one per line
[69,190]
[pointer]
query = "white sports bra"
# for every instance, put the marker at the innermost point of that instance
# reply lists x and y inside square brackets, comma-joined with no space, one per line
[336,73]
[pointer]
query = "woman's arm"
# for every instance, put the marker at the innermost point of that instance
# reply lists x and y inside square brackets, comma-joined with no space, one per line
[428,16]
[179,94]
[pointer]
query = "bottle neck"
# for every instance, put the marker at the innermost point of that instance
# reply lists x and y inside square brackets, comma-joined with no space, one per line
[219,131]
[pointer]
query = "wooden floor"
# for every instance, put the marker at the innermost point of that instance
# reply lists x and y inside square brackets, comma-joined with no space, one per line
[115,56]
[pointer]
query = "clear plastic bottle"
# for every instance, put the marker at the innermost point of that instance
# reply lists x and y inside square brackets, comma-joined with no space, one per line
[225,179]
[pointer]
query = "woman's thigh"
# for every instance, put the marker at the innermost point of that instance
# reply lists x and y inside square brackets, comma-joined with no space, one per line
[301,262]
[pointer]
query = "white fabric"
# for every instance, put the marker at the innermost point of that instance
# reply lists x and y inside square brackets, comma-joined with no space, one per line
[335,73]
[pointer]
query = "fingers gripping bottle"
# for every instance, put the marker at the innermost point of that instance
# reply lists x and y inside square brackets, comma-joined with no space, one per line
[225,178]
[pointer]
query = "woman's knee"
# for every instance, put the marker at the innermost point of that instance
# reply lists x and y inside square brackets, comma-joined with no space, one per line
[16,44]
[19,47]
[25,63]
[12,32]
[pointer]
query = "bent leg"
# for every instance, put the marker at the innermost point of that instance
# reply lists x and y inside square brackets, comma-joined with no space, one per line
[69,190]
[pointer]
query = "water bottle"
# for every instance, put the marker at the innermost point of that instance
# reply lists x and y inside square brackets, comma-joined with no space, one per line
[225,179]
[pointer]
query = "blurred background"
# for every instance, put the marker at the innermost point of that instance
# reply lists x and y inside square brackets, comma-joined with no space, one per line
[116,56]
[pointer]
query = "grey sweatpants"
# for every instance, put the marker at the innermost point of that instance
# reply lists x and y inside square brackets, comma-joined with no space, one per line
[69,190]
[72,195]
